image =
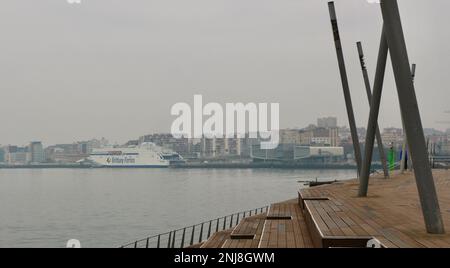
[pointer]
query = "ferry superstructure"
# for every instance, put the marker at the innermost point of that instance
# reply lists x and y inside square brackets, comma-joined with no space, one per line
[143,155]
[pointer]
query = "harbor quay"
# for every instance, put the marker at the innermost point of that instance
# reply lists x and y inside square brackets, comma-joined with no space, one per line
[324,215]
[334,216]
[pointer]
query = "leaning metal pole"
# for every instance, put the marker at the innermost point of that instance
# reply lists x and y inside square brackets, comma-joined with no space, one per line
[405,148]
[413,73]
[373,115]
[345,86]
[411,116]
[369,97]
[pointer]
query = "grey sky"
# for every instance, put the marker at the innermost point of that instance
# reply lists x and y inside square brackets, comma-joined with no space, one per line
[114,68]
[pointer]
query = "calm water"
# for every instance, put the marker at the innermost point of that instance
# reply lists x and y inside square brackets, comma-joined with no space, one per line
[109,207]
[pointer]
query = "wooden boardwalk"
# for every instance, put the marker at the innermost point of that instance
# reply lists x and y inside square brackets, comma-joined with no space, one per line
[333,216]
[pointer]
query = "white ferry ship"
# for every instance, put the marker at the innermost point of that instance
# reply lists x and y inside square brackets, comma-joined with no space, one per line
[144,155]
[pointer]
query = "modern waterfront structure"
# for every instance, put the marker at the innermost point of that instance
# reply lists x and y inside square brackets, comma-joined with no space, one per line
[290,153]
[36,152]
[312,135]
[202,147]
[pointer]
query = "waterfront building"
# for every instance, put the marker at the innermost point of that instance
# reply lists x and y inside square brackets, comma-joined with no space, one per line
[362,131]
[194,149]
[84,148]
[345,135]
[290,136]
[2,155]
[36,152]
[97,144]
[168,142]
[200,148]
[327,122]
[234,146]
[15,155]
[325,137]
[67,153]
[311,135]
[132,143]
[293,153]
[208,147]
[306,136]
[392,136]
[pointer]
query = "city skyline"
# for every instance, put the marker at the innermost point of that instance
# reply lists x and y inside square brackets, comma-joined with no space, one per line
[326,135]
[133,136]
[320,122]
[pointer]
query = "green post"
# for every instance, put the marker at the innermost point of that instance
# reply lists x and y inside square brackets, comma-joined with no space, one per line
[391,157]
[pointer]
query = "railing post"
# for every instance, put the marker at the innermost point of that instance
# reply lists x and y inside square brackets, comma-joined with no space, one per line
[182,238]
[169,240]
[192,235]
[172,235]
[200,237]
[209,229]
[173,239]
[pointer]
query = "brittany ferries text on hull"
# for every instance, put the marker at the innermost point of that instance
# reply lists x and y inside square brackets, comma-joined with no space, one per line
[145,155]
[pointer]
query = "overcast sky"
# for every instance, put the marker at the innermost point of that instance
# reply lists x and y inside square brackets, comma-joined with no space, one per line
[114,68]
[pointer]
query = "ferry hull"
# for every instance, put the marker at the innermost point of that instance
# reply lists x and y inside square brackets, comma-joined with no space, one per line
[144,156]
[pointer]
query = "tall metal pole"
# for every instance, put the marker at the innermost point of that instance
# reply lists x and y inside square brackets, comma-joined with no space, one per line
[405,147]
[373,114]
[345,86]
[402,160]
[411,116]
[369,97]
[410,163]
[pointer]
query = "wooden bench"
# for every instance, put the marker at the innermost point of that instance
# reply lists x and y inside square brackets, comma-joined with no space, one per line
[310,194]
[330,226]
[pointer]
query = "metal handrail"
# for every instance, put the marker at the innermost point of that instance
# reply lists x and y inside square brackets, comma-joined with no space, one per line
[194,234]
